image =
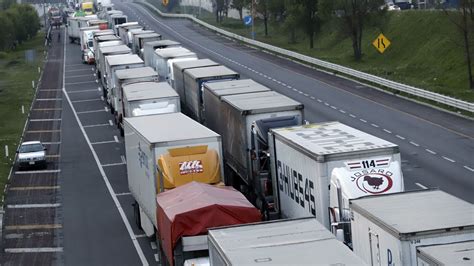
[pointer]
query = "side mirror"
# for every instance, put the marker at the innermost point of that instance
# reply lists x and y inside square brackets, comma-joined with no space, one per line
[45,149]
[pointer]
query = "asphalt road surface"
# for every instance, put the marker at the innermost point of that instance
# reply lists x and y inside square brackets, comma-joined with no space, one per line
[436,147]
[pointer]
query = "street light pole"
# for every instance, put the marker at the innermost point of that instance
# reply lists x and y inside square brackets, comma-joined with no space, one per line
[253,18]
[44,14]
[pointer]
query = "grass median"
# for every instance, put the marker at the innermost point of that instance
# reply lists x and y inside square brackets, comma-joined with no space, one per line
[18,68]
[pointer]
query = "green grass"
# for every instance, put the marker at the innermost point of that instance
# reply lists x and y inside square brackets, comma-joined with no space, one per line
[426,49]
[16,90]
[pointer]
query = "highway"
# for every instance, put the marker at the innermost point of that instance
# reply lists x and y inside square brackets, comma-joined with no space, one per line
[437,147]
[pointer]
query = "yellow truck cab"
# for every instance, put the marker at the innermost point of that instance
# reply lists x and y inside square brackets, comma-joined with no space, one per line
[88,8]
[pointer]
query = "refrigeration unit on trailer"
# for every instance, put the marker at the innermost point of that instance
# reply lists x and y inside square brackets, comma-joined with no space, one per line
[284,242]
[187,212]
[166,151]
[214,91]
[109,51]
[114,63]
[459,253]
[140,39]
[245,121]
[177,81]
[318,168]
[388,229]
[127,76]
[194,79]
[150,47]
[149,98]
[163,58]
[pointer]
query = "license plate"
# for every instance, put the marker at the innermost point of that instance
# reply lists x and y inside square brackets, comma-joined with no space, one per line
[31,163]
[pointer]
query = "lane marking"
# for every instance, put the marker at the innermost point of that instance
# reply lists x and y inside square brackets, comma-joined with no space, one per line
[448,159]
[153,245]
[400,137]
[112,164]
[123,159]
[43,131]
[334,107]
[421,186]
[33,206]
[48,99]
[97,125]
[156,258]
[123,194]
[80,82]
[34,250]
[75,65]
[53,155]
[92,111]
[33,226]
[37,172]
[77,70]
[80,91]
[104,176]
[388,131]
[342,111]
[468,168]
[45,120]
[40,90]
[414,144]
[103,142]
[140,236]
[374,125]
[52,143]
[111,123]
[106,109]
[46,109]
[353,116]
[33,188]
[365,121]
[430,151]
[78,76]
[88,100]
[116,139]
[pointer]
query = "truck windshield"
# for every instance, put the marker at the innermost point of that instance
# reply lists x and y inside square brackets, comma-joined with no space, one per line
[31,148]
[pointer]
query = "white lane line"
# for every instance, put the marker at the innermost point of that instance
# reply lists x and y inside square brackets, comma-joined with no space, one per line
[37,172]
[104,176]
[448,159]
[97,81]
[92,111]
[88,100]
[77,70]
[106,109]
[32,206]
[111,123]
[156,258]
[468,168]
[45,120]
[112,164]
[99,89]
[312,98]
[49,99]
[421,186]
[342,111]
[430,151]
[153,245]
[305,94]
[123,194]
[320,101]
[353,116]
[400,137]
[327,104]
[74,65]
[295,89]
[34,250]
[102,98]
[140,236]
[334,107]
[79,76]
[97,125]
[388,131]
[80,82]
[374,125]
[116,139]
[103,142]
[362,120]
[79,91]
[414,144]
[52,142]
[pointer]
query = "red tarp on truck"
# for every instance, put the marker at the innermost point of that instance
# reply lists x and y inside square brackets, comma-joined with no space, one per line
[191,209]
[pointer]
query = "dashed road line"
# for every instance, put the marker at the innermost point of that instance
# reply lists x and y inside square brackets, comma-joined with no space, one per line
[111,123]
[112,164]
[48,99]
[33,206]
[414,144]
[342,111]
[388,131]
[88,100]
[362,120]
[153,245]
[430,151]
[38,172]
[46,109]
[400,137]
[421,186]
[34,188]
[103,142]
[79,76]
[116,139]
[448,159]
[374,125]
[123,194]
[353,116]
[468,168]
[33,226]
[43,131]
[80,82]
[334,107]
[97,125]
[80,91]
[45,120]
[34,250]
[123,159]
[92,111]
[52,142]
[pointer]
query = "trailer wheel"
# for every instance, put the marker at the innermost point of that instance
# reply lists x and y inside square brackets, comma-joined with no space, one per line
[136,215]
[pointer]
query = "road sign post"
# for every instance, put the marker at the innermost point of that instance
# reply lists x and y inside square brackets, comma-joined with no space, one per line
[381,43]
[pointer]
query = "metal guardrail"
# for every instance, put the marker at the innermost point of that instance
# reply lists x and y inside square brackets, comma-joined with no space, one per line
[432,96]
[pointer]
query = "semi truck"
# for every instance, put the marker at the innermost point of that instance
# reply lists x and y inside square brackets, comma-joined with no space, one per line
[459,253]
[150,47]
[166,151]
[317,168]
[162,59]
[105,52]
[87,8]
[131,34]
[126,24]
[115,20]
[114,63]
[177,80]
[185,214]
[127,76]
[123,31]
[97,51]
[194,79]
[285,242]
[388,229]
[139,41]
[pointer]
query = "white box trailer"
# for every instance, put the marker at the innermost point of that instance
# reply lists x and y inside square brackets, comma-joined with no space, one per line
[150,47]
[73,28]
[212,96]
[118,29]
[318,168]
[127,76]
[123,31]
[163,58]
[389,228]
[284,242]
[460,253]
[116,20]
[166,151]
[97,52]
[106,37]
[194,79]
[109,51]
[116,62]
[86,35]
[177,81]
[131,35]
[139,41]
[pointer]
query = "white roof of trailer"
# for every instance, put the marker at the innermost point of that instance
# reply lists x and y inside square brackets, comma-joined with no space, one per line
[148,90]
[124,59]
[133,23]
[287,242]
[331,138]
[431,209]
[461,253]
[114,49]
[238,86]
[103,32]
[169,127]
[148,35]
[259,102]
[162,43]
[107,38]
[139,72]
[174,52]
[110,43]
[212,71]
[195,64]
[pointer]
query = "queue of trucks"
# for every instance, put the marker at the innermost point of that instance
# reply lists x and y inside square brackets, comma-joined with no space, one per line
[208,152]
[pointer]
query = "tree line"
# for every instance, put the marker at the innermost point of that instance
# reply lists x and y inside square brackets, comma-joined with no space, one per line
[19,22]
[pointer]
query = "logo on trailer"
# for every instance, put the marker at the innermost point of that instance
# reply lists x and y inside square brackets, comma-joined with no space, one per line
[190,167]
[373,181]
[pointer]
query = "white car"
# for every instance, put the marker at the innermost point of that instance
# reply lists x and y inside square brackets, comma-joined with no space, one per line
[31,154]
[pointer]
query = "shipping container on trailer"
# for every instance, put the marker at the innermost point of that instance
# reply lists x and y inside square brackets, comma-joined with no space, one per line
[140,39]
[97,52]
[285,242]
[131,35]
[177,81]
[118,29]
[194,79]
[212,98]
[459,253]
[164,56]
[318,168]
[150,47]
[123,31]
[166,151]
[389,228]
[109,51]
[114,63]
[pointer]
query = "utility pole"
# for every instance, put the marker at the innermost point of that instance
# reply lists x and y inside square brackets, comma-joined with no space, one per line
[44,14]
[253,18]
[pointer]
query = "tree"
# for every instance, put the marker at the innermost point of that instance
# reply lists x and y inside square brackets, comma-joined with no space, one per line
[463,19]
[221,7]
[6,4]
[262,8]
[6,31]
[292,18]
[354,15]
[311,20]
[239,5]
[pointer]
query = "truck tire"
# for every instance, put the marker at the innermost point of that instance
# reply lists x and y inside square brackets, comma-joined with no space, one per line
[136,215]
